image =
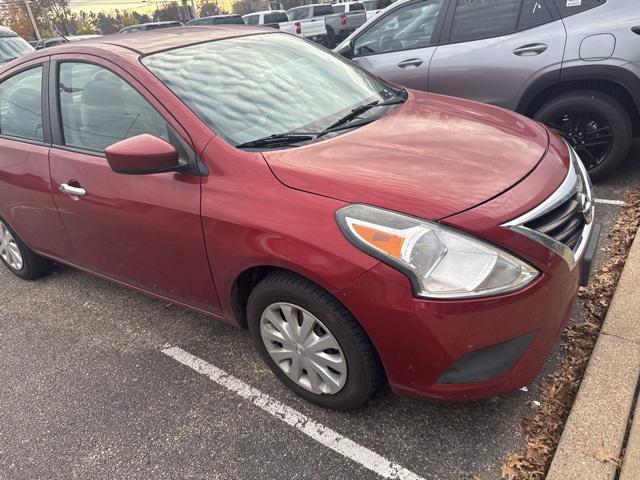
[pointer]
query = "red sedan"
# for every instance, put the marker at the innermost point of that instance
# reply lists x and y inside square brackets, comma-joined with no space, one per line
[362,232]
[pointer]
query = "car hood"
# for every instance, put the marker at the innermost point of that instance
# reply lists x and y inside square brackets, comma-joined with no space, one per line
[432,157]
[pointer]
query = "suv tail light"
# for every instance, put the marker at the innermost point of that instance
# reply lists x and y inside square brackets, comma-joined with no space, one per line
[298,28]
[343,19]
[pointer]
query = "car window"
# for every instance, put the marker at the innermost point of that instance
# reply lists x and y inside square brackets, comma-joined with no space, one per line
[252,19]
[249,87]
[277,17]
[98,108]
[236,20]
[478,19]
[534,13]
[571,7]
[407,27]
[21,105]
[322,10]
[298,13]
[339,8]
[356,7]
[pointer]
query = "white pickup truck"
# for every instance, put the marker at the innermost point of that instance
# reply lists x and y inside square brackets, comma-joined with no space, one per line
[314,29]
[338,25]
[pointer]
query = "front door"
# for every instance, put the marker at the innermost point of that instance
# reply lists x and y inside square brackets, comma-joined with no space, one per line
[492,50]
[143,230]
[399,46]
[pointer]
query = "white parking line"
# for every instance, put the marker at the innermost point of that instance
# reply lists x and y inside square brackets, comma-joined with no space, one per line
[609,202]
[324,435]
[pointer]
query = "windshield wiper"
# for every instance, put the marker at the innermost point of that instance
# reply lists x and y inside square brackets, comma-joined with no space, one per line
[356,112]
[277,140]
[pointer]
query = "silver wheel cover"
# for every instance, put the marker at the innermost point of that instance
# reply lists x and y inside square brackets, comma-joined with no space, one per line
[304,348]
[9,250]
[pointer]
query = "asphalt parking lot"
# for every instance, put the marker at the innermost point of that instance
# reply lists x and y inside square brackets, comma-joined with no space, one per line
[86,392]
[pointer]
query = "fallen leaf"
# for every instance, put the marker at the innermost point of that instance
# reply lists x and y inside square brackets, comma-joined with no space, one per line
[603,455]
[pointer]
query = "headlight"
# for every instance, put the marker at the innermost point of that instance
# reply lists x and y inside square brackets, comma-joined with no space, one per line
[441,262]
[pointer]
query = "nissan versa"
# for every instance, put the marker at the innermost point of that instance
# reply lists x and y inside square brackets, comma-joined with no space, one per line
[363,233]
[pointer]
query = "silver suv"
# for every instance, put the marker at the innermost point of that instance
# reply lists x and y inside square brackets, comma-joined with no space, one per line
[572,64]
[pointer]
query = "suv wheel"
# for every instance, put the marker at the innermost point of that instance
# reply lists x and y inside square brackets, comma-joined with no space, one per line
[594,124]
[312,343]
[19,258]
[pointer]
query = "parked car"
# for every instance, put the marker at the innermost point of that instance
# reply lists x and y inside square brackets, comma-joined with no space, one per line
[572,65]
[59,40]
[266,18]
[337,25]
[217,20]
[361,231]
[144,27]
[12,46]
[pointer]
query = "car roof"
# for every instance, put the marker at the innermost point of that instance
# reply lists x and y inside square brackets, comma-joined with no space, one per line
[154,41]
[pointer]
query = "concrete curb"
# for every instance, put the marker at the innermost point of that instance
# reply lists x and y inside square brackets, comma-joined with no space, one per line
[599,417]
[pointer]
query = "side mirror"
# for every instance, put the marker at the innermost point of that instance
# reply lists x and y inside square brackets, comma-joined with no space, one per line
[141,155]
[347,50]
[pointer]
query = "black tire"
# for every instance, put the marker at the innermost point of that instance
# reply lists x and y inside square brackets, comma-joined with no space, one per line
[332,41]
[599,106]
[364,370]
[33,266]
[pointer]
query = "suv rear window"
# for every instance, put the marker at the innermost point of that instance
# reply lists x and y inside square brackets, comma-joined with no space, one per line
[571,7]
[474,20]
[534,13]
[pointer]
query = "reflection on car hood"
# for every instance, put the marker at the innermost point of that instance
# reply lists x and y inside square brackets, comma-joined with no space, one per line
[432,157]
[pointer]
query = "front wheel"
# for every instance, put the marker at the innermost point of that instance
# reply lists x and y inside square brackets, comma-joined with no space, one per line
[594,124]
[312,343]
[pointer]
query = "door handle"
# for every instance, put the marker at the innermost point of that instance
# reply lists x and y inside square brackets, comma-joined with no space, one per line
[75,191]
[411,62]
[531,49]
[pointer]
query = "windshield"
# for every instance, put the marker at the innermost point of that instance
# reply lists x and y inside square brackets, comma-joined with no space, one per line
[251,87]
[13,47]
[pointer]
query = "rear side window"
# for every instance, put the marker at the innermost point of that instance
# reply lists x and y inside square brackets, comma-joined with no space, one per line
[356,7]
[571,7]
[234,20]
[21,105]
[275,18]
[252,19]
[533,14]
[339,8]
[478,19]
[98,108]
[322,10]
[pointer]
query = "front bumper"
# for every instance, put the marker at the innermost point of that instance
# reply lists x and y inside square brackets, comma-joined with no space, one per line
[480,347]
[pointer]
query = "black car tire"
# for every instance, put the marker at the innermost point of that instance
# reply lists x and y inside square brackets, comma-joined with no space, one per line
[332,41]
[33,266]
[364,370]
[604,106]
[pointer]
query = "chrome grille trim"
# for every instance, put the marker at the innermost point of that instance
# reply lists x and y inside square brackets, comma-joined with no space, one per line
[576,182]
